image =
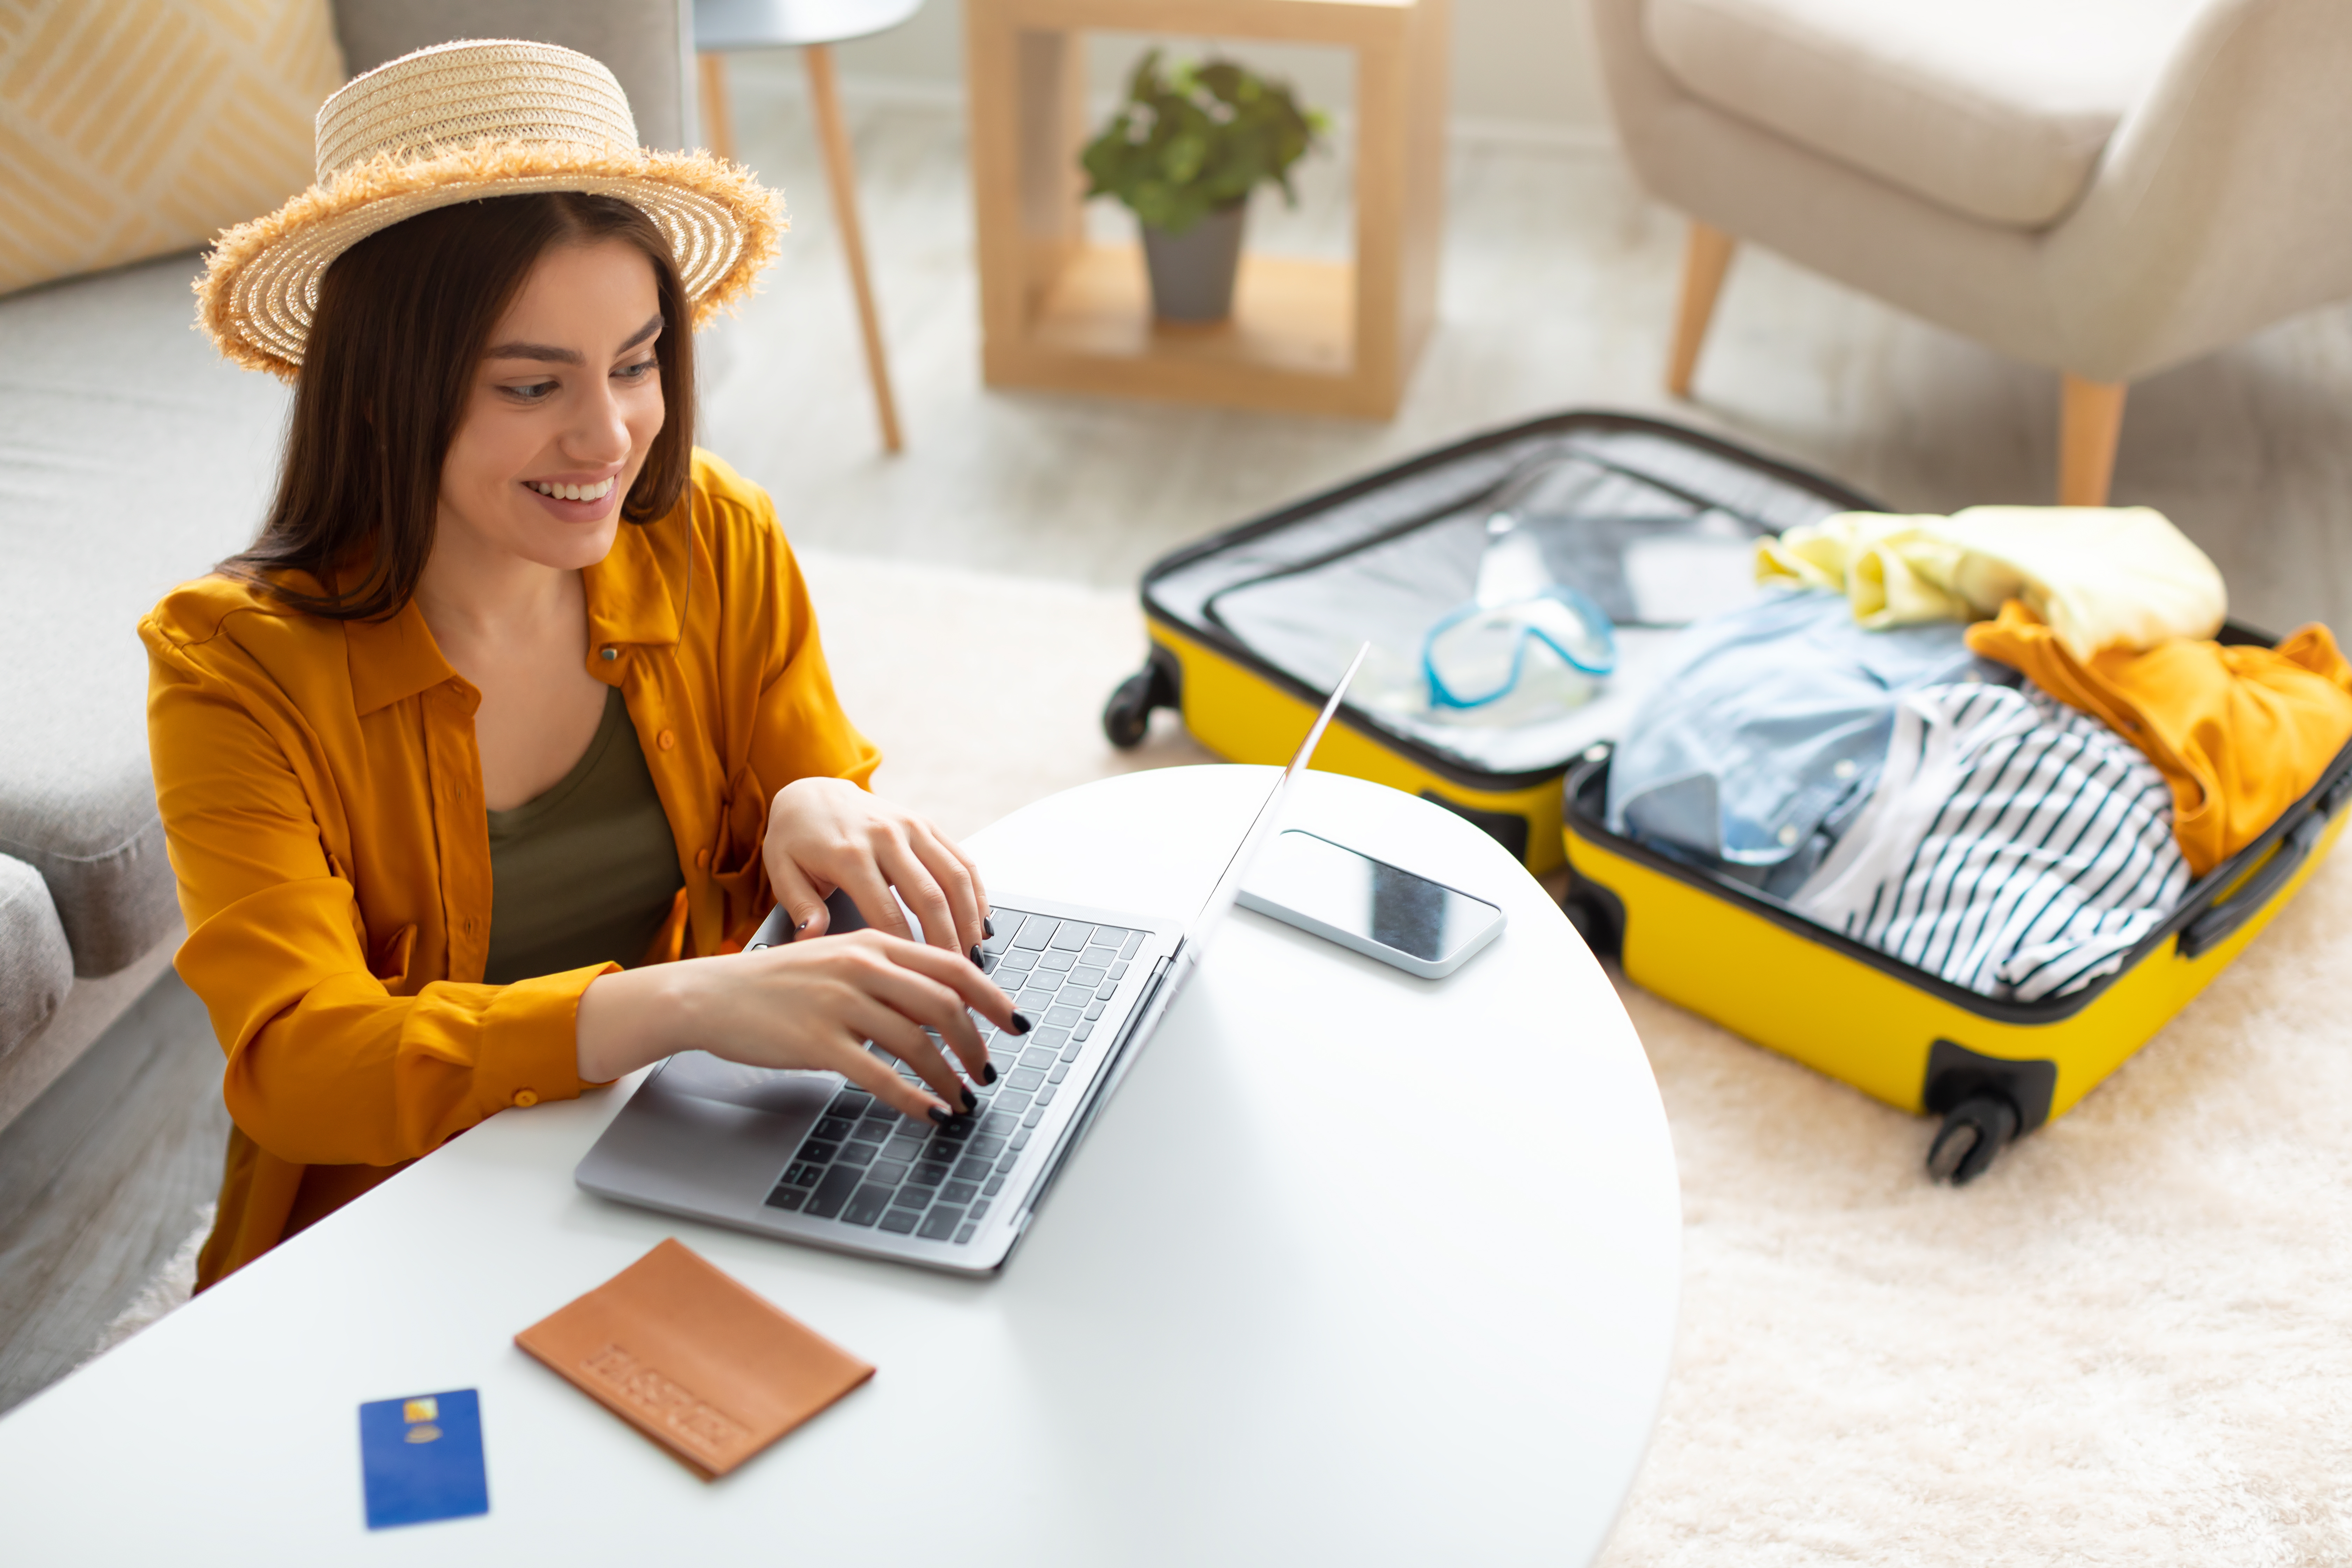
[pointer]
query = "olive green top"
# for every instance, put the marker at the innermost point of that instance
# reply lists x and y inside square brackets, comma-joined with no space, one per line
[587,871]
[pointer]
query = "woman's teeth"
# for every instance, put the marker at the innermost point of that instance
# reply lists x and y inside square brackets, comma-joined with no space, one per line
[596,491]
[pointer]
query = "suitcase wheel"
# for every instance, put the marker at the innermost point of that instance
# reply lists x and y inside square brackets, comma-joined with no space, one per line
[1127,715]
[1974,1130]
[1598,915]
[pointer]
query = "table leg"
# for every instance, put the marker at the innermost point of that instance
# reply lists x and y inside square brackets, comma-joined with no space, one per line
[826,95]
[717,123]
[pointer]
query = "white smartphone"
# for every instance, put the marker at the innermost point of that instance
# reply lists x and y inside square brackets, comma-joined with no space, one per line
[1381,911]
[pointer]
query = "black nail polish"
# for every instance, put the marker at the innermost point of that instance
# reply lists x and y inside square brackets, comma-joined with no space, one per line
[939,1113]
[987,927]
[975,955]
[970,1104]
[1023,1023]
[988,1073]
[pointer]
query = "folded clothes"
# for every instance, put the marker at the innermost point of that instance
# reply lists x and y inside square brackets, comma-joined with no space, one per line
[2012,846]
[2098,576]
[1767,731]
[2239,733]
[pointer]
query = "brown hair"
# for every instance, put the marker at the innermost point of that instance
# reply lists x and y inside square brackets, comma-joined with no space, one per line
[403,319]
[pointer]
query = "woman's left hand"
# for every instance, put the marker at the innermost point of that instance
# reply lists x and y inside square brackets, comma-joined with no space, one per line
[826,832]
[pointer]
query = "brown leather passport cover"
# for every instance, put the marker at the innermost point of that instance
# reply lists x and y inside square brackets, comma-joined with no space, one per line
[693,1360]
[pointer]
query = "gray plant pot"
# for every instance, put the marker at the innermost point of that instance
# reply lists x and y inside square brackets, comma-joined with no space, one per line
[1192,272]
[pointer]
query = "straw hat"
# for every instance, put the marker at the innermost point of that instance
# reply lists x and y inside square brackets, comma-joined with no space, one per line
[454,123]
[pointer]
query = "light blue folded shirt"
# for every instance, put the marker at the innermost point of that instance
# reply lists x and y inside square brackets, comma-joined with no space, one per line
[1770,734]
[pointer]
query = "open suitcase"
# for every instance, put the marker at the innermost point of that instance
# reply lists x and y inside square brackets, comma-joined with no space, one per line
[1992,1070]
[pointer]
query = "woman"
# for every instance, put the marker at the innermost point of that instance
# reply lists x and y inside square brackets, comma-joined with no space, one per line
[515,686]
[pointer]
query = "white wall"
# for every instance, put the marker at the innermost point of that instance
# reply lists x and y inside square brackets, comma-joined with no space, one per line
[1520,66]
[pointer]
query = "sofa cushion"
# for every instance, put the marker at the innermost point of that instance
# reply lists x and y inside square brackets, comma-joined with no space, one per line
[132,457]
[36,965]
[1997,109]
[142,127]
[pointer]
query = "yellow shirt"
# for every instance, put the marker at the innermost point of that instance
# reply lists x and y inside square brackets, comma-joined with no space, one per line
[322,795]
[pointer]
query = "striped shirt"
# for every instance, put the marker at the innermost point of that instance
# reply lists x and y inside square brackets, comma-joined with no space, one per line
[2013,846]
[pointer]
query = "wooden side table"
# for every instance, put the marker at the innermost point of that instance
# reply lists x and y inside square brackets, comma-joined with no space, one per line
[1305,336]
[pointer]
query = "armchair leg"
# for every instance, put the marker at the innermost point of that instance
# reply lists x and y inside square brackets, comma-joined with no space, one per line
[2090,419]
[1705,258]
[718,122]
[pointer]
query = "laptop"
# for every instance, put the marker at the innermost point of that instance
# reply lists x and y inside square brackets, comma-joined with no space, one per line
[804,1156]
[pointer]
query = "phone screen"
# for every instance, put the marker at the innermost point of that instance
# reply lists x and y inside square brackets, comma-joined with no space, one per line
[1367,897]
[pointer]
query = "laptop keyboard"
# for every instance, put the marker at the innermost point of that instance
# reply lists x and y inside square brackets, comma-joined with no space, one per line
[864,1164]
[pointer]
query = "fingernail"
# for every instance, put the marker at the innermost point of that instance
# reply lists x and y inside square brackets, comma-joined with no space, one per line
[1023,1023]
[987,927]
[975,955]
[941,1114]
[970,1104]
[988,1073]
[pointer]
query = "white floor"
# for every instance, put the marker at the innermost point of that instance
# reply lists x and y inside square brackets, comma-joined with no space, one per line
[1557,288]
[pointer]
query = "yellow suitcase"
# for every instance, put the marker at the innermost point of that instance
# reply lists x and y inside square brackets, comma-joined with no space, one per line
[1991,1069]
[1246,709]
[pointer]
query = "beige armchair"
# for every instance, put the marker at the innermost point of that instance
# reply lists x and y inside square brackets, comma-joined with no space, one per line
[2104,188]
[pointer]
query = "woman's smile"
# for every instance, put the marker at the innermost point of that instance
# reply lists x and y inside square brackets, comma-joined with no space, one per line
[576,499]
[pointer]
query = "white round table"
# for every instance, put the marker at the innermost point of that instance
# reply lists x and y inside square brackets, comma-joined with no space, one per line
[1356,1269]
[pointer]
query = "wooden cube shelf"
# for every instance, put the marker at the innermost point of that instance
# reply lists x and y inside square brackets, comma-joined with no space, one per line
[1309,337]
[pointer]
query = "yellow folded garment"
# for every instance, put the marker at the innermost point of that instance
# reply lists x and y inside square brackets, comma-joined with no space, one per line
[2098,576]
[2240,733]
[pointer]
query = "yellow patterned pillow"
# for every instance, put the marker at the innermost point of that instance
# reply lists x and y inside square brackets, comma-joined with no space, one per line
[135,128]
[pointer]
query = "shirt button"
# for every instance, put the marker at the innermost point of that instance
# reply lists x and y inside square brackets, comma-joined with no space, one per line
[610,654]
[666,739]
[702,859]
[525,1099]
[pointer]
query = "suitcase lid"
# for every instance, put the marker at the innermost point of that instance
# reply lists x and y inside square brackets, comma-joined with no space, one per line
[1385,544]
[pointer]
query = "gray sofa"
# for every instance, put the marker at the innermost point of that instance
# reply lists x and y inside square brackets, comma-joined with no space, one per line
[132,457]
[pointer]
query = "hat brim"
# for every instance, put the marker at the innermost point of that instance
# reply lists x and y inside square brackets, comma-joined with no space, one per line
[260,285]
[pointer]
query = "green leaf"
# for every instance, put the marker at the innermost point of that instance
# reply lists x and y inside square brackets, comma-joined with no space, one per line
[1198,139]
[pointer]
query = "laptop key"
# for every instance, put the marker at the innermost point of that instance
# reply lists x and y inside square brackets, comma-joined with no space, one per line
[833,1192]
[1072,936]
[1107,989]
[857,1155]
[929,1175]
[940,1224]
[1021,1141]
[890,1173]
[978,1210]
[1119,971]
[1082,1031]
[1037,1056]
[1071,1054]
[850,1103]
[996,1123]
[1023,1079]
[866,1204]
[970,1169]
[965,1234]
[911,1197]
[787,1198]
[1067,1017]
[1061,1070]
[1051,1039]
[1006,1164]
[898,1222]
[1012,1103]
[985,1148]
[818,1153]
[1046,1094]
[1134,940]
[1035,1000]
[1036,931]
[959,1193]
[1088,977]
[1036,1114]
[833,1129]
[993,1185]
[906,1146]
[1095,1010]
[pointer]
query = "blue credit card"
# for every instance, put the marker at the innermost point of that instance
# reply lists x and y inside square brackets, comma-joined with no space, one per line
[422,1458]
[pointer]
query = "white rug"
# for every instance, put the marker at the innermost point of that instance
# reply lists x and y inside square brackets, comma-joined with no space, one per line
[2130,1343]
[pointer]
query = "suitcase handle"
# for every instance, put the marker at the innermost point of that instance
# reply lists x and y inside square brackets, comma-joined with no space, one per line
[2219,921]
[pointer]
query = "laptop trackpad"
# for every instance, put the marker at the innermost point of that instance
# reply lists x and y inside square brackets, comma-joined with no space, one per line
[706,1137]
[780,1090]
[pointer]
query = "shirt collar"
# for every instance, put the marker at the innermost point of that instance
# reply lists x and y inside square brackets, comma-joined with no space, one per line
[636,595]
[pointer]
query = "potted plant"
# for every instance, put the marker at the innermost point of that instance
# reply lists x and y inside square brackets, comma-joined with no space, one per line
[1183,153]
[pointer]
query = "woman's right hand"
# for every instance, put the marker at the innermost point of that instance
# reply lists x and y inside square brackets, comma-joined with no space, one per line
[810,1005]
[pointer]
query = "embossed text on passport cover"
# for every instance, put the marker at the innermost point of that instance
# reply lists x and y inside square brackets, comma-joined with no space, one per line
[693,1360]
